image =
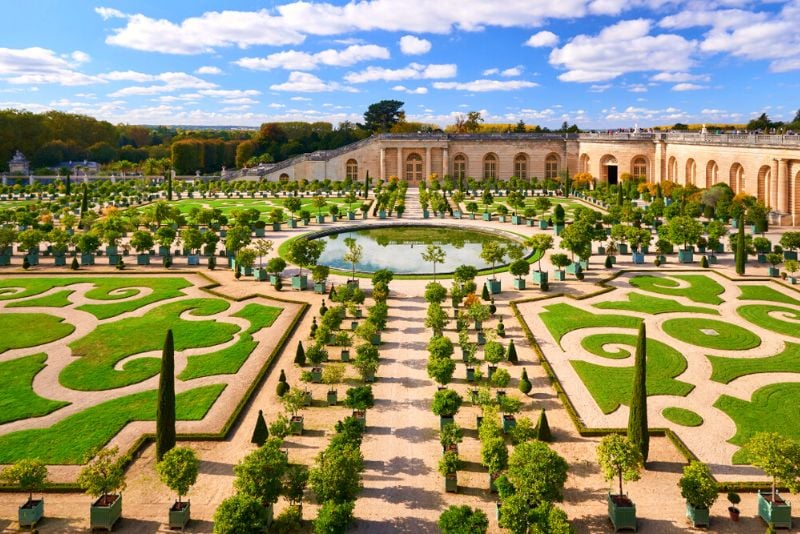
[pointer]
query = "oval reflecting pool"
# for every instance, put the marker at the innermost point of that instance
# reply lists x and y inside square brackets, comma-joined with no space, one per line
[400,248]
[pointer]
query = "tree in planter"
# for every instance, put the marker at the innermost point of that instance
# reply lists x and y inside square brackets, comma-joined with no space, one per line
[463,520]
[378,314]
[492,253]
[103,475]
[577,238]
[478,312]
[537,472]
[334,517]
[493,352]
[305,252]
[449,464]
[262,247]
[778,457]
[178,470]
[192,239]
[446,403]
[433,254]
[494,454]
[436,318]
[275,266]
[500,378]
[259,474]
[245,258]
[440,347]
[240,514]
[698,486]
[450,436]
[29,474]
[559,261]
[683,229]
[366,331]
[165,414]
[367,360]
[441,370]
[319,203]
[336,475]
[293,204]
[316,353]
[261,432]
[620,459]
[333,374]
[435,293]
[774,259]
[359,398]
[638,433]
[294,483]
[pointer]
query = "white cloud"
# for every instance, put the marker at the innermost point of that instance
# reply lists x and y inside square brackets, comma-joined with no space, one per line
[297,60]
[304,82]
[491,72]
[675,77]
[633,113]
[417,91]
[206,69]
[80,57]
[300,99]
[619,49]
[275,105]
[172,81]
[35,65]
[637,88]
[127,76]
[109,13]
[414,71]
[599,88]
[414,46]
[542,39]
[229,93]
[483,86]
[513,72]
[688,87]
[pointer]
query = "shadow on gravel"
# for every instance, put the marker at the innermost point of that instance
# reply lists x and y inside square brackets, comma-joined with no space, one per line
[408,466]
[411,496]
[400,524]
[416,434]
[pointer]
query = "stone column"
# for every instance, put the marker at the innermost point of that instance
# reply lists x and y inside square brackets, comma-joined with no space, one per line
[772,194]
[428,169]
[400,174]
[658,164]
[383,164]
[783,186]
[445,162]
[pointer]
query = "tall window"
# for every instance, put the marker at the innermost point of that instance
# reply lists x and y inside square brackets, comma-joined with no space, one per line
[460,167]
[351,170]
[414,167]
[639,167]
[521,166]
[551,166]
[489,167]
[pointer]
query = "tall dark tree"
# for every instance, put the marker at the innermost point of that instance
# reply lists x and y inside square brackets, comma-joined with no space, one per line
[260,432]
[300,354]
[169,184]
[741,250]
[366,193]
[84,201]
[637,419]
[67,181]
[620,197]
[381,116]
[165,412]
[543,428]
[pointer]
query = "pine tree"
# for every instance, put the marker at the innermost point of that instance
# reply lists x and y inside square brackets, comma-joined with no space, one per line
[741,253]
[260,432]
[525,385]
[300,354]
[165,415]
[637,419]
[511,355]
[485,293]
[543,428]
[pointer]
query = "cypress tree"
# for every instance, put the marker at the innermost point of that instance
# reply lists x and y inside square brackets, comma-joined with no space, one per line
[323,309]
[84,202]
[313,330]
[619,195]
[511,355]
[165,411]
[169,185]
[525,385]
[300,354]
[741,253]
[260,432]
[67,185]
[74,265]
[485,293]
[543,428]
[637,419]
[366,185]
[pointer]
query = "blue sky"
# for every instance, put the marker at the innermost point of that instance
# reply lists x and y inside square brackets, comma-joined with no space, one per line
[597,63]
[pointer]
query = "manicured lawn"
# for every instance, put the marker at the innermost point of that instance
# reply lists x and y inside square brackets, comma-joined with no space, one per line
[702,289]
[230,360]
[711,334]
[766,293]
[637,302]
[682,416]
[772,408]
[563,318]
[69,440]
[612,386]
[55,300]
[596,343]
[17,399]
[763,315]
[98,352]
[20,330]
[725,370]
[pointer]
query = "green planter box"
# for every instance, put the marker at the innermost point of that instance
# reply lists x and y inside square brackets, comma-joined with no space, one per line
[685,256]
[299,282]
[516,219]
[260,274]
[539,277]
[113,259]
[319,288]
[59,260]
[470,374]
[296,425]
[529,222]
[425,214]
[698,516]
[320,219]
[622,248]
[345,356]
[487,216]
[445,420]
[451,483]
[276,227]
[193,259]
[501,218]
[381,214]
[179,516]
[105,516]
[333,397]
[509,422]
[351,216]
[316,375]
[574,268]
[246,271]
[87,258]
[143,259]
[376,339]
[558,228]
[456,214]
[637,258]
[622,517]
[543,224]
[789,255]
[519,283]
[481,337]
[773,272]
[780,515]
[31,513]
[369,377]
[493,286]
[712,259]
[292,223]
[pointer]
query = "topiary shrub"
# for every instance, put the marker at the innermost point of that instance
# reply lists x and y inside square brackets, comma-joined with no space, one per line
[300,354]
[704,262]
[511,353]
[74,265]
[609,262]
[525,385]
[543,428]
[281,389]
[260,432]
[25,263]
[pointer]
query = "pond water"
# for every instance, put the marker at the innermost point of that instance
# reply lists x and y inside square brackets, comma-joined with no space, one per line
[400,248]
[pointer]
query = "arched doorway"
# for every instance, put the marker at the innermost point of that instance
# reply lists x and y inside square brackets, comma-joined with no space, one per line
[639,167]
[584,163]
[672,169]
[414,168]
[764,182]
[283,178]
[736,180]
[712,173]
[351,170]
[691,172]
[609,170]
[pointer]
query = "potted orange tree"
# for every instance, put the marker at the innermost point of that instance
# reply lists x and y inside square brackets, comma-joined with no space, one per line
[620,459]
[102,478]
[30,476]
[178,470]
[700,490]
[779,458]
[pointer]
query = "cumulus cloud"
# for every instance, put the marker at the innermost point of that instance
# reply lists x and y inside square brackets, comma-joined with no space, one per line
[404,89]
[414,71]
[304,82]
[36,65]
[109,13]
[297,60]
[688,87]
[414,46]
[543,38]
[513,72]
[80,57]
[675,77]
[171,81]
[622,48]
[484,86]
[208,70]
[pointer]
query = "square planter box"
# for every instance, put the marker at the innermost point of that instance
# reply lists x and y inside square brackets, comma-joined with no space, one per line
[163,251]
[558,228]
[779,514]
[559,275]
[246,271]
[493,286]
[292,223]
[451,483]
[601,250]
[685,256]
[456,214]
[516,219]
[376,339]
[542,224]
[519,283]
[179,515]
[113,259]
[193,259]
[712,259]
[143,259]
[351,216]
[296,425]
[87,259]
[306,398]
[622,248]
[793,280]
[789,255]
[762,258]
[470,374]
[574,268]
[105,516]
[444,421]
[425,214]
[259,274]
[258,232]
[539,277]
[276,227]
[31,513]
[622,516]
[509,422]
[345,356]
[381,214]
[529,222]
[481,337]
[501,218]
[698,516]
[333,397]
[369,377]
[316,375]
[320,219]
[60,260]
[773,272]
[637,258]
[319,288]
[299,282]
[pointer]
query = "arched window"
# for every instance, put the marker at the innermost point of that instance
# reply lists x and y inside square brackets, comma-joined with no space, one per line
[763,186]
[691,171]
[551,166]
[639,167]
[351,170]
[712,173]
[414,167]
[736,178]
[460,167]
[489,167]
[672,169]
[521,166]
[283,177]
[585,163]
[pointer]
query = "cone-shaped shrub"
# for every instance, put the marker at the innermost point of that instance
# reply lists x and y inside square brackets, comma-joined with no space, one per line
[704,262]
[543,428]
[485,293]
[300,354]
[637,418]
[165,415]
[260,432]
[511,354]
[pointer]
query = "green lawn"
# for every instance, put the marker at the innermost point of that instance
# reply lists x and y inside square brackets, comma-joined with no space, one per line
[21,330]
[682,416]
[637,302]
[612,386]
[59,299]
[230,360]
[70,440]
[563,318]
[99,351]
[772,408]
[759,314]
[17,399]
[766,293]
[702,289]
[719,334]
[596,343]
[725,370]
